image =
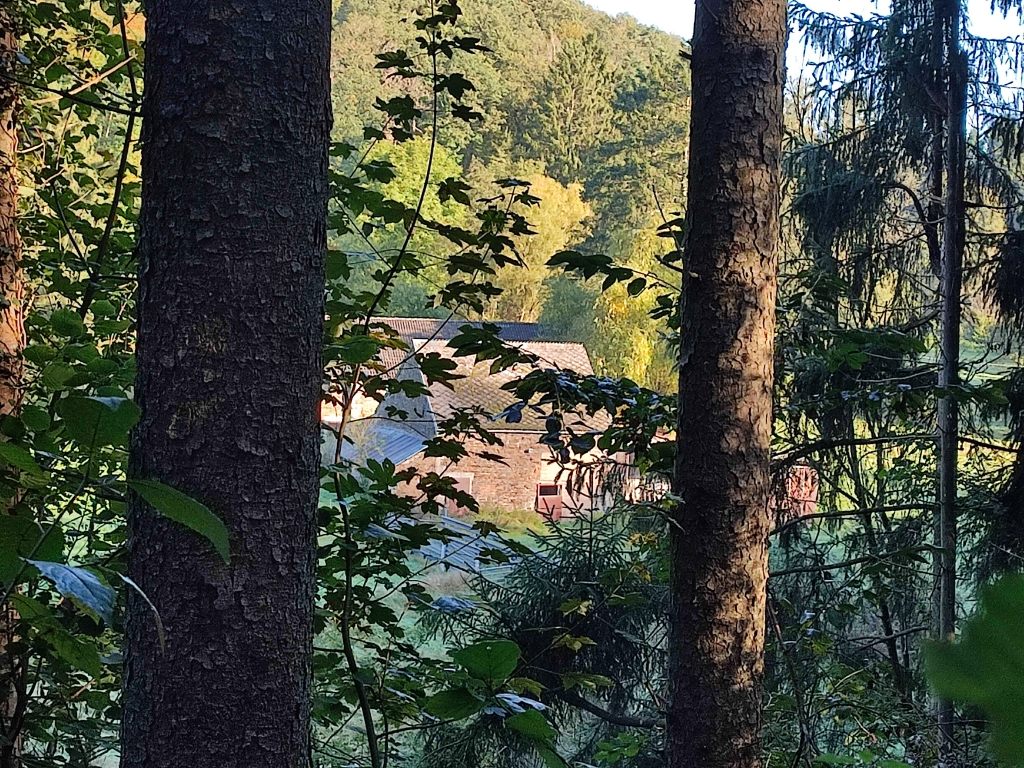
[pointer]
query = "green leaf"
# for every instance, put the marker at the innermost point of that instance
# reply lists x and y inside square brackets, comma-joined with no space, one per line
[187,511]
[35,418]
[97,421]
[456,704]
[532,724]
[355,350]
[56,374]
[456,84]
[551,758]
[81,654]
[492,660]
[102,365]
[636,286]
[103,308]
[336,265]
[21,536]
[986,668]
[29,609]
[80,584]
[40,354]
[66,322]
[20,458]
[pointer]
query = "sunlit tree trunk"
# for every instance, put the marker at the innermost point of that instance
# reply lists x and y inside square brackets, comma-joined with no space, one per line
[720,527]
[12,341]
[236,123]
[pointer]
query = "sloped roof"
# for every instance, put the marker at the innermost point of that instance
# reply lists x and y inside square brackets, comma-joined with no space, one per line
[401,425]
[411,329]
[430,328]
[397,431]
[482,389]
[372,440]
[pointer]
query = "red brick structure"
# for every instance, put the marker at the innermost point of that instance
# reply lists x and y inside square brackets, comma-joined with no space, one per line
[797,495]
[528,476]
[516,484]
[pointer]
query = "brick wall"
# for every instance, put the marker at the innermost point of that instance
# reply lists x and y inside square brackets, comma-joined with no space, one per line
[512,485]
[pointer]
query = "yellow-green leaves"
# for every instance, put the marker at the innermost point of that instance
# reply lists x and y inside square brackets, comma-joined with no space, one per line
[986,668]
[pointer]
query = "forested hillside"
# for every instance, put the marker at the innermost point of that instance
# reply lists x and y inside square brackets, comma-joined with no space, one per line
[248,520]
[591,110]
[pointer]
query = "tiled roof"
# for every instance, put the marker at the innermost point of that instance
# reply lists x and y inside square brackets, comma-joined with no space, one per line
[411,329]
[482,389]
[401,425]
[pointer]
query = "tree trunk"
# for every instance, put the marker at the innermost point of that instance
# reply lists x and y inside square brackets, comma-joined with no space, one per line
[236,122]
[953,233]
[12,342]
[937,115]
[721,525]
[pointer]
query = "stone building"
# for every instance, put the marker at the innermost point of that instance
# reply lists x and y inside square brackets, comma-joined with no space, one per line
[520,474]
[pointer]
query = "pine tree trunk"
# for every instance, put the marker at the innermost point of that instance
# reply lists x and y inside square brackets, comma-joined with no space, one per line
[12,342]
[236,123]
[953,234]
[720,531]
[936,177]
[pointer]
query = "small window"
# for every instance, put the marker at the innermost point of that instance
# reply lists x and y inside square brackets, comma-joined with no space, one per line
[549,500]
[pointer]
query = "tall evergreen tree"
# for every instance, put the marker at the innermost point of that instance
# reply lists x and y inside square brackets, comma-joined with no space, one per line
[882,192]
[575,113]
[948,13]
[236,123]
[720,526]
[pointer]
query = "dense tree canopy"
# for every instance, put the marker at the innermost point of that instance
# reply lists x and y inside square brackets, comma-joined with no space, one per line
[528,162]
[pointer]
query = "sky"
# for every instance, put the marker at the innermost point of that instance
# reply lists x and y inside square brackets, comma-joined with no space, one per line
[676,16]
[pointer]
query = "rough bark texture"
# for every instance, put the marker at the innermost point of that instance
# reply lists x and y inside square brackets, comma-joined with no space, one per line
[953,238]
[719,539]
[12,331]
[236,122]
[12,341]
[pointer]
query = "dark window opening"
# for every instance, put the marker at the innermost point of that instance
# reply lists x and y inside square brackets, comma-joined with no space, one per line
[549,500]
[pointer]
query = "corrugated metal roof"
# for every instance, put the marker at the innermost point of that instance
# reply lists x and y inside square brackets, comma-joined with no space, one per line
[398,430]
